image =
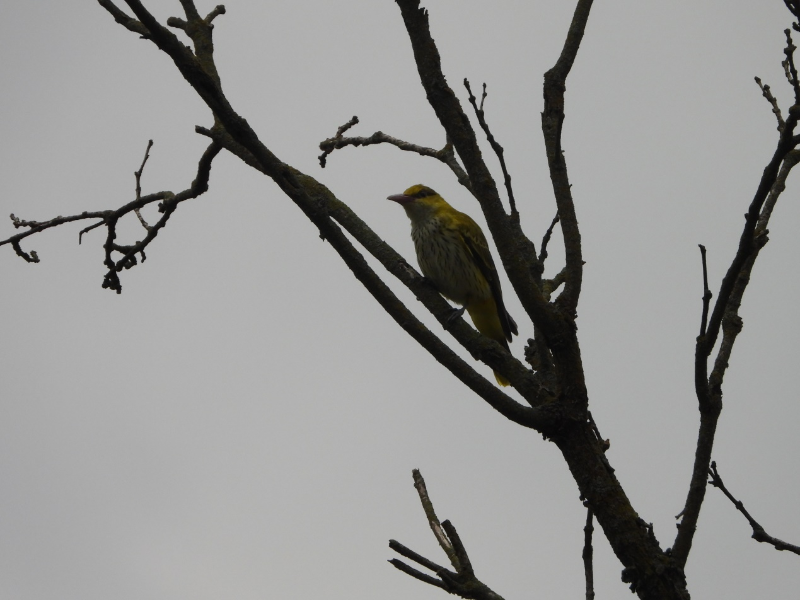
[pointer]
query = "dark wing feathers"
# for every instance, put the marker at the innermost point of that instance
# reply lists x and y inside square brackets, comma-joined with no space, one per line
[479,249]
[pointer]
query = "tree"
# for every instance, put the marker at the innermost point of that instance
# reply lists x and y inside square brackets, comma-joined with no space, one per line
[552,425]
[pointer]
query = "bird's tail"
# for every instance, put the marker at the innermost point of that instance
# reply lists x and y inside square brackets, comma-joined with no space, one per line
[487,320]
[501,380]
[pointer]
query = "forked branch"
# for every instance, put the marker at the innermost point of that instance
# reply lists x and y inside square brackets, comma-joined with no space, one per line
[168,202]
[724,317]
[498,149]
[328,213]
[517,252]
[461,581]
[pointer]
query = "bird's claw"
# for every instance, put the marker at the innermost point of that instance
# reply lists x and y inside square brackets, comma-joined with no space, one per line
[454,316]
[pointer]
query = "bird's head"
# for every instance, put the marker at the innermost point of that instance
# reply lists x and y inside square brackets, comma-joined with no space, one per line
[420,202]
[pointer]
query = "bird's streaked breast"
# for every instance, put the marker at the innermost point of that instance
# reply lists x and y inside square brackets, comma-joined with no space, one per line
[445,259]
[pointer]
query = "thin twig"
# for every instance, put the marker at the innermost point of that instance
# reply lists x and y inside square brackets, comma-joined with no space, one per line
[788,66]
[124,20]
[465,565]
[587,554]
[707,295]
[331,144]
[550,286]
[218,10]
[498,149]
[109,218]
[417,558]
[445,155]
[433,520]
[462,581]
[793,6]
[31,258]
[423,577]
[758,531]
[138,175]
[776,110]
[546,240]
[605,444]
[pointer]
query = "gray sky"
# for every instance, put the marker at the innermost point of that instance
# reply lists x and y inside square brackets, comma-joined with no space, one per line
[243,420]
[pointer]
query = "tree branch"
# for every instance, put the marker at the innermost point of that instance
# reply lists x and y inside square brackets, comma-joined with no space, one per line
[109,218]
[433,520]
[516,251]
[124,20]
[587,555]
[321,207]
[758,531]
[707,295]
[445,155]
[138,176]
[461,582]
[725,318]
[546,240]
[552,125]
[765,91]
[399,564]
[498,149]
[789,68]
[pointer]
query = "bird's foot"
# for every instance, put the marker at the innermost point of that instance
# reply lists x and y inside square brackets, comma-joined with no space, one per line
[454,316]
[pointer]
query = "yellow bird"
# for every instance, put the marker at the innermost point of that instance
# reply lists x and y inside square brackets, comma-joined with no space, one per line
[453,254]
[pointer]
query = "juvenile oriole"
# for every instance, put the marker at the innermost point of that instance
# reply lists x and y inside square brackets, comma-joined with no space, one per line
[453,254]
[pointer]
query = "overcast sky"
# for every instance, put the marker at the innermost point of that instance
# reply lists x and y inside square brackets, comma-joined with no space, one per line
[242,421]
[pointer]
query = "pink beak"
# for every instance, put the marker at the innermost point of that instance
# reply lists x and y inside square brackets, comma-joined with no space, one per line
[401,198]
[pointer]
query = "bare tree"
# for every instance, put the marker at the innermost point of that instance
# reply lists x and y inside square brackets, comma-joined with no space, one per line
[552,383]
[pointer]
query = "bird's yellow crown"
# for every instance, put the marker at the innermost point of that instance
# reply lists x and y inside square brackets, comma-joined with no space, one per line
[421,202]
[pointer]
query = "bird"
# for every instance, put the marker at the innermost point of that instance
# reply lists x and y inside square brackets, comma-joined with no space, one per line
[453,254]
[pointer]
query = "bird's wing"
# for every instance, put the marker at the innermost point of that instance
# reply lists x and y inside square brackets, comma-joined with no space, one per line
[479,249]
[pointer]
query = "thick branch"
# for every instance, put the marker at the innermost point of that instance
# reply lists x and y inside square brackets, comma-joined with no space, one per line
[522,380]
[648,569]
[552,124]
[516,250]
[320,205]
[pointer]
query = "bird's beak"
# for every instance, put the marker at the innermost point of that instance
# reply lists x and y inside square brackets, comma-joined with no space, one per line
[401,198]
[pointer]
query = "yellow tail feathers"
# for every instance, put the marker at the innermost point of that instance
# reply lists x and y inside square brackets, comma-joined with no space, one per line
[501,380]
